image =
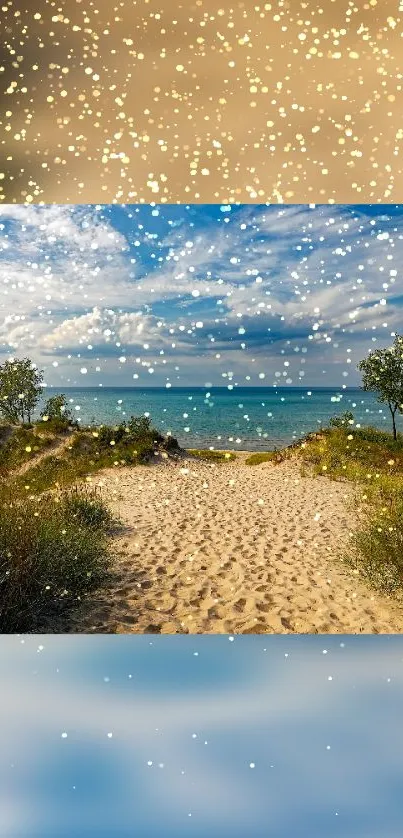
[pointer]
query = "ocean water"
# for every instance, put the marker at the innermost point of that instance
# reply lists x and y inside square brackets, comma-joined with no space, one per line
[245,418]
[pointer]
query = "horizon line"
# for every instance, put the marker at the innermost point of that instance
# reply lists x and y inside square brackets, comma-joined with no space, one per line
[205,387]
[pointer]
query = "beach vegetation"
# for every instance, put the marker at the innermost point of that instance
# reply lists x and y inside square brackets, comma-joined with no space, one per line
[56,415]
[54,549]
[357,454]
[376,548]
[346,418]
[264,457]
[85,505]
[55,527]
[18,445]
[373,460]
[212,454]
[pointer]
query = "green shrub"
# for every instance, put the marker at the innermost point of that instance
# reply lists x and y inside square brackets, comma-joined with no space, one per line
[56,410]
[346,419]
[370,434]
[106,435]
[170,444]
[373,460]
[49,558]
[377,544]
[55,426]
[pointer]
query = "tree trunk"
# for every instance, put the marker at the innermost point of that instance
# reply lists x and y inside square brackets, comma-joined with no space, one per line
[393,412]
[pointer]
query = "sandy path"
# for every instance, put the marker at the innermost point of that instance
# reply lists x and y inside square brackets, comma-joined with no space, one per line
[232,548]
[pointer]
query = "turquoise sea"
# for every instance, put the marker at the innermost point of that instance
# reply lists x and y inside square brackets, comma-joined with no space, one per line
[248,418]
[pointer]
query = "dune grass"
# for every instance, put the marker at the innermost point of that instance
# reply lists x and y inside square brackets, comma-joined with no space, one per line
[263,457]
[19,444]
[373,460]
[53,550]
[208,454]
[54,528]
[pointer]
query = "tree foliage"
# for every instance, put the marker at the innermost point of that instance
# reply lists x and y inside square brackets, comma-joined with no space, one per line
[20,390]
[382,372]
[56,408]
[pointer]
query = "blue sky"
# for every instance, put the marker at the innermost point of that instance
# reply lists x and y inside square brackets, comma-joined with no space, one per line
[192,736]
[176,295]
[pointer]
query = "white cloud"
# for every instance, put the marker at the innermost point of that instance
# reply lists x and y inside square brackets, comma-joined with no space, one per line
[66,268]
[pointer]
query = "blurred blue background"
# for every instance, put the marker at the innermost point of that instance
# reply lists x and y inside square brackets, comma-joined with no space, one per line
[245,737]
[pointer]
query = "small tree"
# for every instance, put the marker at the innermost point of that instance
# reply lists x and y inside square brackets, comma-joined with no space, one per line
[383,373]
[20,390]
[56,408]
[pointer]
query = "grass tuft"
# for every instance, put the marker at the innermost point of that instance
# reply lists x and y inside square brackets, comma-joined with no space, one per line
[53,550]
[208,454]
[264,457]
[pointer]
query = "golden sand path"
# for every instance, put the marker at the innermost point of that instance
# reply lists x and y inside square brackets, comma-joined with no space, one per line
[230,548]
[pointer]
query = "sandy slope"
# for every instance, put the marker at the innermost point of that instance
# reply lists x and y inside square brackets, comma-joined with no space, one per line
[214,548]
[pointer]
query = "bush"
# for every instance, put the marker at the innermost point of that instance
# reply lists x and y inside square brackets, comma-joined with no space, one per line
[140,430]
[55,426]
[357,454]
[56,410]
[108,435]
[48,558]
[170,444]
[346,419]
[370,434]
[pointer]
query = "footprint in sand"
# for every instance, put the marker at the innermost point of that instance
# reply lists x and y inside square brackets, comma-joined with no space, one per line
[259,628]
[129,620]
[145,585]
[263,606]
[286,623]
[239,605]
[215,613]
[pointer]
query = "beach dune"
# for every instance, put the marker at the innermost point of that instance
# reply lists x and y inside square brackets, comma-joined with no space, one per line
[230,548]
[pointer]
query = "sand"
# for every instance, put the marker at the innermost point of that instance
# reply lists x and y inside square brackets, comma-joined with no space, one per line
[228,548]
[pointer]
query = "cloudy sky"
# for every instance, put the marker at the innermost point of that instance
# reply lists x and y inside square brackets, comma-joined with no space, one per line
[194,736]
[183,295]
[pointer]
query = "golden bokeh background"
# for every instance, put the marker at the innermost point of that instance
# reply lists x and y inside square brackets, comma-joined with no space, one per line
[204,101]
